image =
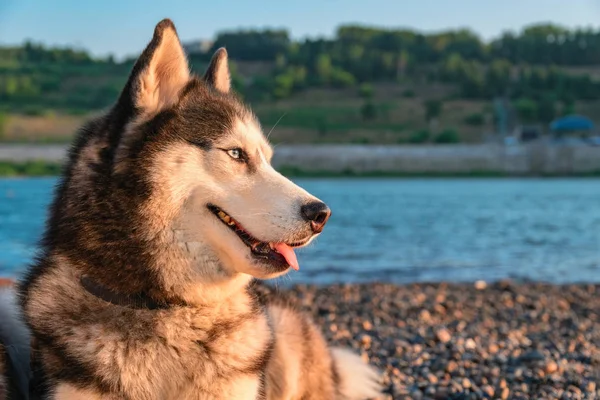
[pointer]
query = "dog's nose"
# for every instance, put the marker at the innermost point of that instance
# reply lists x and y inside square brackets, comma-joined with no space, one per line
[317,213]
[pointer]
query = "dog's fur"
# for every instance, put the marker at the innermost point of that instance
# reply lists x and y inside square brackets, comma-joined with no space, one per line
[131,215]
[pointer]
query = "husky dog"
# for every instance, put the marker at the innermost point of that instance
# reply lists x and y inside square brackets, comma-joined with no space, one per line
[167,211]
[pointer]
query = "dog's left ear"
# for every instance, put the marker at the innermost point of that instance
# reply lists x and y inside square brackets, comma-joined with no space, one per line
[160,73]
[217,75]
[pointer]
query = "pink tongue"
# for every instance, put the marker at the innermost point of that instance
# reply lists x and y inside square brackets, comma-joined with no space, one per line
[288,253]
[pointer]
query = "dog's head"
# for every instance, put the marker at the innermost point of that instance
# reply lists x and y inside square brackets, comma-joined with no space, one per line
[205,163]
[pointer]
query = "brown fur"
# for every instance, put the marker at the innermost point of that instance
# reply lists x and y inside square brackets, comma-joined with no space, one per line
[131,215]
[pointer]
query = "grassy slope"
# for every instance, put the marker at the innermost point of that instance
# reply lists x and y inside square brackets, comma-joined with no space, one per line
[312,116]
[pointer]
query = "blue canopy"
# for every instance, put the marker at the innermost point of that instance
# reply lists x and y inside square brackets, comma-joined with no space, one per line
[572,123]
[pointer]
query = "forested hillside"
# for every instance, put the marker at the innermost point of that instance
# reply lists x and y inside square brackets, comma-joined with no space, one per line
[363,85]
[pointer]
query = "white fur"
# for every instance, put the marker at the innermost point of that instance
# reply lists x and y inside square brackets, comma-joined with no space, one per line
[359,381]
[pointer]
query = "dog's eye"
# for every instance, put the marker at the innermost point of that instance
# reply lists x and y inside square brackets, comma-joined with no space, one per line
[235,153]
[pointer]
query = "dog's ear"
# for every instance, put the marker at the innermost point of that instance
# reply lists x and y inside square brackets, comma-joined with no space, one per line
[217,75]
[160,73]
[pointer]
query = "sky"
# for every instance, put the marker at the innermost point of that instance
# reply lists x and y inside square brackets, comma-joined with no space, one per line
[124,27]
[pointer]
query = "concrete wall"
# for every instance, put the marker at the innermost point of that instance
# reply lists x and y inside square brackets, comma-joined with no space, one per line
[517,160]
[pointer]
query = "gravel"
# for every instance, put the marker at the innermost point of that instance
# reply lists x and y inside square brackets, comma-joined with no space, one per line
[501,340]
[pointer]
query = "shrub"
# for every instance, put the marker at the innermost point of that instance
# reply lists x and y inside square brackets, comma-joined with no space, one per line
[421,136]
[447,136]
[368,111]
[433,109]
[408,93]
[3,119]
[476,119]
[342,79]
[527,109]
[365,91]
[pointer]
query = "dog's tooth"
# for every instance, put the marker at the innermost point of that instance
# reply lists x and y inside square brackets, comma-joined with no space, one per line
[226,218]
[231,222]
[221,214]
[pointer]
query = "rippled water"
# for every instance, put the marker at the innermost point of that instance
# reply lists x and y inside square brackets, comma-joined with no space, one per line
[404,230]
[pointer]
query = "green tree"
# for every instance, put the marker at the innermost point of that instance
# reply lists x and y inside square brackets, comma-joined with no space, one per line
[341,79]
[448,136]
[527,110]
[323,68]
[433,109]
[365,91]
[568,107]
[475,119]
[368,111]
[547,109]
[421,136]
[3,120]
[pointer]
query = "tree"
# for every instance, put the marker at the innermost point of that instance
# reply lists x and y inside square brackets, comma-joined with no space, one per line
[253,45]
[568,107]
[433,109]
[449,136]
[368,111]
[421,136]
[323,68]
[341,79]
[527,110]
[547,109]
[365,91]
[3,120]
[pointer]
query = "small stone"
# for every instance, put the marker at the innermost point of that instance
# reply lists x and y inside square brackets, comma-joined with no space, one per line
[466,383]
[451,366]
[367,325]
[518,373]
[493,348]
[432,378]
[443,335]
[551,367]
[590,387]
[441,393]
[470,344]
[505,393]
[574,389]
[563,305]
[425,316]
[480,285]
[366,340]
[488,390]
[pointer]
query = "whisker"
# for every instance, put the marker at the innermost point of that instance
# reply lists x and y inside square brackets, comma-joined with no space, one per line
[269,134]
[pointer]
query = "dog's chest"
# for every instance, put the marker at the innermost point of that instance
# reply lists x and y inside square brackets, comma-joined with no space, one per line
[220,360]
[186,356]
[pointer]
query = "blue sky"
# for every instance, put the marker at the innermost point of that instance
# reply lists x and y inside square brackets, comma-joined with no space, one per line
[124,27]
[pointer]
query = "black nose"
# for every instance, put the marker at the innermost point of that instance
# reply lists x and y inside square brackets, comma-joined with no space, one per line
[317,213]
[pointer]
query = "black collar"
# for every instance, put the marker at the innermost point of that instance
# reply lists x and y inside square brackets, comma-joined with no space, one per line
[138,301]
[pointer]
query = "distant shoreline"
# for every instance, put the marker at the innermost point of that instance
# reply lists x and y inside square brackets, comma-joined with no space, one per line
[371,161]
[53,169]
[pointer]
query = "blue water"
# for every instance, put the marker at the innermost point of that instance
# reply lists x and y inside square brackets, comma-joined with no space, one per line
[404,230]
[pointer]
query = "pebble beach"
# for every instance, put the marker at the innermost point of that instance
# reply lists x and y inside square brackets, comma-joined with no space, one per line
[468,341]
